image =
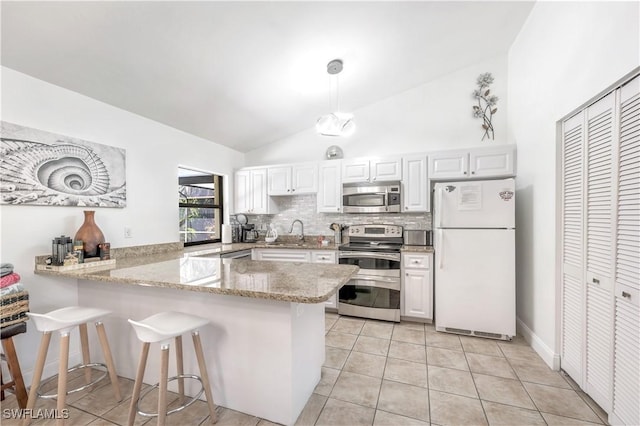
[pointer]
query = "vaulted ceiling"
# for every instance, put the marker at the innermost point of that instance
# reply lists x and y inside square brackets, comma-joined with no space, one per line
[244,74]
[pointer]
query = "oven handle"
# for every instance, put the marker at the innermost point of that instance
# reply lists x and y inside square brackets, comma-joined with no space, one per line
[375,278]
[390,283]
[355,254]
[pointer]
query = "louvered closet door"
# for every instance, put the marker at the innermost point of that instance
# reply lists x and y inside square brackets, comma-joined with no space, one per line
[626,377]
[572,247]
[601,135]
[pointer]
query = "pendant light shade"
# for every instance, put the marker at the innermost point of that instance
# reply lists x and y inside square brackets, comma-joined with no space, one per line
[335,123]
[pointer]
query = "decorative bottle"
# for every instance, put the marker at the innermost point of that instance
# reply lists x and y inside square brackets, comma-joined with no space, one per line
[90,235]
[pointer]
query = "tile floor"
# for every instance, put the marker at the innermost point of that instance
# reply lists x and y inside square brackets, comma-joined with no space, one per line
[379,373]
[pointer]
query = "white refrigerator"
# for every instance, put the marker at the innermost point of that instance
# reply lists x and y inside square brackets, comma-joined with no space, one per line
[474,227]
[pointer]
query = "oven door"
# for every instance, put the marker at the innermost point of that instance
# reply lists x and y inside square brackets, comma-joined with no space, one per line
[371,296]
[372,263]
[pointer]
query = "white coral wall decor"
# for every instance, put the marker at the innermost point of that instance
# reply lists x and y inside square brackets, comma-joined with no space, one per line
[486,106]
[46,169]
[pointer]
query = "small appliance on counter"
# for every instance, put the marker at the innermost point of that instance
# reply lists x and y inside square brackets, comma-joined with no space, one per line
[417,237]
[249,233]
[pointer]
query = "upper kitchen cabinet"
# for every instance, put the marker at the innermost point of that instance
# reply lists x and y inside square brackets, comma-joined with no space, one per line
[329,199]
[293,179]
[371,170]
[415,193]
[251,192]
[482,162]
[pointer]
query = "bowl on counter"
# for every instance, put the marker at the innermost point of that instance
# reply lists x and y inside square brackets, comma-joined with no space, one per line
[270,239]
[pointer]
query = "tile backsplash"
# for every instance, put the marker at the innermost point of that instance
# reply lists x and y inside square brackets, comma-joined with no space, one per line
[303,207]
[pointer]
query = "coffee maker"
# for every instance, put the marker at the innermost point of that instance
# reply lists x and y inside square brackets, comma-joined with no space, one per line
[249,233]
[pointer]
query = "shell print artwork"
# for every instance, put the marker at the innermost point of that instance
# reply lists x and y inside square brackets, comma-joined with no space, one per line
[41,168]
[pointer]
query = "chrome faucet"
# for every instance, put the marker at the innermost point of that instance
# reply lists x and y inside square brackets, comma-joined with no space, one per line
[301,234]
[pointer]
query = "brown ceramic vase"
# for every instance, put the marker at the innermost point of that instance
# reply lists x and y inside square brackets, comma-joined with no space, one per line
[90,235]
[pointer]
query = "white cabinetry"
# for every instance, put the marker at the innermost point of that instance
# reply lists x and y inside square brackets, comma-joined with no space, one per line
[417,286]
[251,192]
[415,193]
[483,162]
[327,256]
[329,198]
[600,247]
[371,170]
[292,180]
[282,255]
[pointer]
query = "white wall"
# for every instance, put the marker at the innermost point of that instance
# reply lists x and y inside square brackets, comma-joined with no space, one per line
[435,115]
[154,152]
[565,54]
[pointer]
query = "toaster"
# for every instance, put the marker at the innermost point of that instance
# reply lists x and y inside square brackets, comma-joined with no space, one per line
[417,237]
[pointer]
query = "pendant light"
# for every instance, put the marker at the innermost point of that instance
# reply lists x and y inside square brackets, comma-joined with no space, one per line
[336,123]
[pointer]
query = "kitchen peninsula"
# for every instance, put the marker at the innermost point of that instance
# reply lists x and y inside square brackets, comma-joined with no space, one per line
[265,344]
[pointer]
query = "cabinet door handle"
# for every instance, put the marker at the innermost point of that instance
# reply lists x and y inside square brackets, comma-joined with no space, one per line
[406,208]
[293,189]
[626,295]
[473,173]
[464,173]
[406,274]
[596,281]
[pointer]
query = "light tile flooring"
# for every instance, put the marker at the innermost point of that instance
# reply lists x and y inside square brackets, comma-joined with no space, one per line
[379,373]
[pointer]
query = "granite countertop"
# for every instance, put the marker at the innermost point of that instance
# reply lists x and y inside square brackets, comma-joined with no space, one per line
[198,270]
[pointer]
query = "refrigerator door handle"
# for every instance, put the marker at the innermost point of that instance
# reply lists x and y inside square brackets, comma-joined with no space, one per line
[439,207]
[440,248]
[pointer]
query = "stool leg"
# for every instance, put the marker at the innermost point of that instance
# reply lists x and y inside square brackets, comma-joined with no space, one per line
[180,367]
[197,344]
[16,372]
[86,357]
[37,375]
[164,376]
[62,376]
[109,360]
[137,386]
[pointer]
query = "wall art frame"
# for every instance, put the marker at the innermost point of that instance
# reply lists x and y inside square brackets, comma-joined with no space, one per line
[39,168]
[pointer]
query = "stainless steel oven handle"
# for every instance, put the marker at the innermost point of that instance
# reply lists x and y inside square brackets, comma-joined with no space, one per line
[363,254]
[376,278]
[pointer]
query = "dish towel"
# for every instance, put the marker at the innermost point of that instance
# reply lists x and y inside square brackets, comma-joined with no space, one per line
[6,269]
[10,279]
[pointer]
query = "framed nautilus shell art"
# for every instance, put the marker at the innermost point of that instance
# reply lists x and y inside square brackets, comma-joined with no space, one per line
[46,169]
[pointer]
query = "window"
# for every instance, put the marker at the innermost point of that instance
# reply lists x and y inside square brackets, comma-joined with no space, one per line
[200,204]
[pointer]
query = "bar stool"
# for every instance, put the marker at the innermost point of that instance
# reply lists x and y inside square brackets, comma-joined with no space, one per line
[163,327]
[63,321]
[17,382]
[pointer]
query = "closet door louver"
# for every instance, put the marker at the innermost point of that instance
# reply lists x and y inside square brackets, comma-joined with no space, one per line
[626,374]
[601,128]
[572,247]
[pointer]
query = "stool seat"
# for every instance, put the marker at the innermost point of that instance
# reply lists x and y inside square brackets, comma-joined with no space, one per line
[12,330]
[166,325]
[66,318]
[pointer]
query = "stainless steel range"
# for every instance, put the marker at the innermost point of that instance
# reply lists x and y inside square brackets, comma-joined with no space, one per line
[375,291]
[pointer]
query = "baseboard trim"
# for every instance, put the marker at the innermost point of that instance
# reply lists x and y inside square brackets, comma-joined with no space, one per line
[551,358]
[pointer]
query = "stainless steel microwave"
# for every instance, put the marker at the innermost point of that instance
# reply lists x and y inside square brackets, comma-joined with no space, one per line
[380,197]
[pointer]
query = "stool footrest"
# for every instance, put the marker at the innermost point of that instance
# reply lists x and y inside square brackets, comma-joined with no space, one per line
[102,367]
[175,410]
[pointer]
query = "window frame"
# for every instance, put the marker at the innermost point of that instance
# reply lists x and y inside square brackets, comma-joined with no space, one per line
[218,181]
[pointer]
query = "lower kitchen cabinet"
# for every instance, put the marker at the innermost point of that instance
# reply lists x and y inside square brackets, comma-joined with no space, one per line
[282,255]
[326,256]
[417,286]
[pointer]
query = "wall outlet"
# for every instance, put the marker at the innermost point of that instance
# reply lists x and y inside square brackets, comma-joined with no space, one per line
[127,232]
